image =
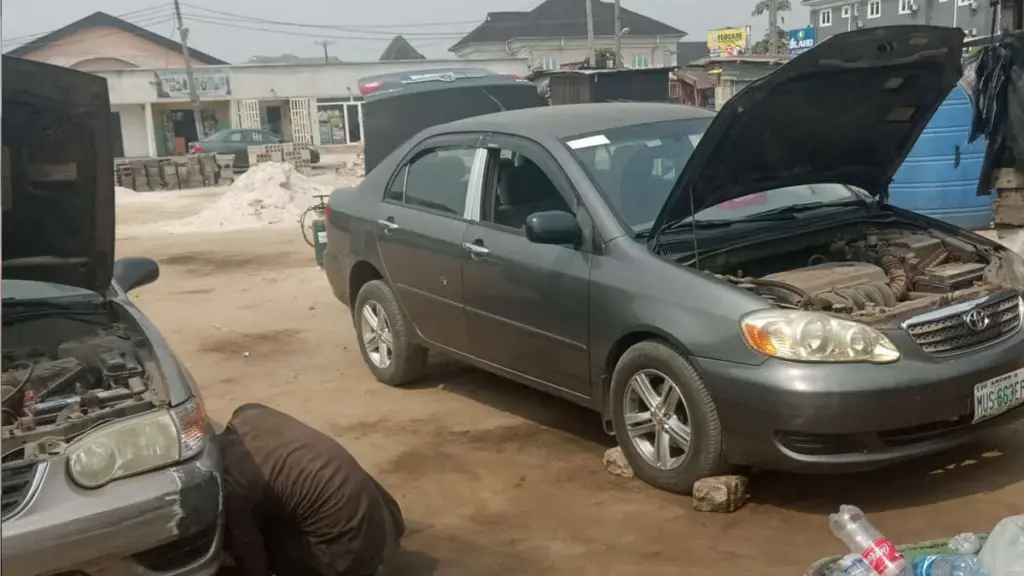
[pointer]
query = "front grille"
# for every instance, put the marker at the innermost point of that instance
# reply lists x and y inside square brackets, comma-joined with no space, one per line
[179,553]
[952,334]
[16,483]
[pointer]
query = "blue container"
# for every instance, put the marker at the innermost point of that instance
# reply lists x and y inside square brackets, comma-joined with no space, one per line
[940,176]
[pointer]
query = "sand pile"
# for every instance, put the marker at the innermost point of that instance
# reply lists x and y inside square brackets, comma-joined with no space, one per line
[268,193]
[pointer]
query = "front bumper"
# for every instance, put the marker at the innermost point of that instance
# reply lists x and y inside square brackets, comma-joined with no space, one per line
[846,417]
[166,522]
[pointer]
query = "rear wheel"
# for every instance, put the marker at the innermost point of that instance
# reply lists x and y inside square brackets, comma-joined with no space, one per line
[664,418]
[384,338]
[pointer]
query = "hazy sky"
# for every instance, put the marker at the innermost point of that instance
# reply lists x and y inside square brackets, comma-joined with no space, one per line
[357,34]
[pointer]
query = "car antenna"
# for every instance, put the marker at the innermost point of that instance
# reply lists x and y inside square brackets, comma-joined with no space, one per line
[693,234]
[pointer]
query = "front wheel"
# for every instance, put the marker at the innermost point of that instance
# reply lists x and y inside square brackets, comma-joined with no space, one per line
[665,420]
[384,338]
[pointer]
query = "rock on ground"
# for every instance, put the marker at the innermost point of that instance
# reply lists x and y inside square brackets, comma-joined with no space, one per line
[615,462]
[720,493]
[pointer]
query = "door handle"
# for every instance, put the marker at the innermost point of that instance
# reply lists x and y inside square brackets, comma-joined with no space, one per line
[956,156]
[475,249]
[387,225]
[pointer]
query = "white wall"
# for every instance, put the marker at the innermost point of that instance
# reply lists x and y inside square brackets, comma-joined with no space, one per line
[133,129]
[292,81]
[659,50]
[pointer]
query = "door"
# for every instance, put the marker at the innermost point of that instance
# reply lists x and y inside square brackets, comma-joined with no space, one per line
[419,236]
[302,131]
[275,122]
[236,142]
[353,123]
[526,304]
[249,114]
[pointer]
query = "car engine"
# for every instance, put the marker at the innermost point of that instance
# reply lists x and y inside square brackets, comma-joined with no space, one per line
[54,394]
[871,273]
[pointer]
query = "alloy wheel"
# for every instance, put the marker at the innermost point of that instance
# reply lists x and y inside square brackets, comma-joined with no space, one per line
[376,334]
[657,419]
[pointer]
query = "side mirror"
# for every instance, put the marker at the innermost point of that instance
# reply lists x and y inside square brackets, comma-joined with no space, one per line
[553,227]
[130,273]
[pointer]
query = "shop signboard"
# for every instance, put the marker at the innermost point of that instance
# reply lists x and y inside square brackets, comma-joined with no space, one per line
[801,40]
[210,83]
[728,41]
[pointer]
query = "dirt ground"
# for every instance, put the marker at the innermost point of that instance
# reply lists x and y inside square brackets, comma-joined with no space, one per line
[495,478]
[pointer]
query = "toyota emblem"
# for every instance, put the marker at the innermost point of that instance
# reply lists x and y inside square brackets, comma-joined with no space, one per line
[977,320]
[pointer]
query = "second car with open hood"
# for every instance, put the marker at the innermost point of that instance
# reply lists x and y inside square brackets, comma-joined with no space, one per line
[728,289]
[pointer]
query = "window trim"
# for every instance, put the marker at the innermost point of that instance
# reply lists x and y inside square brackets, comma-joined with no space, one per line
[452,140]
[904,7]
[845,12]
[963,2]
[878,9]
[636,64]
[555,172]
[856,9]
[821,18]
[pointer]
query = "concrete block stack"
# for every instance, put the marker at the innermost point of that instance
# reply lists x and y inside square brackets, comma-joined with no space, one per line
[295,154]
[226,167]
[174,173]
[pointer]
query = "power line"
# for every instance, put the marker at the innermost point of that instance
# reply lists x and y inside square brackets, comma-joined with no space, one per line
[154,20]
[141,11]
[239,20]
[450,36]
[349,27]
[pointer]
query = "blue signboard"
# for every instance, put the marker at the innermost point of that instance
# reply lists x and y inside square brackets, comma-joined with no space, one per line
[801,40]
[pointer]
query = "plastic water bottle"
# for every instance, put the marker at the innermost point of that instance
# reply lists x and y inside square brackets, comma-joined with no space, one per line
[966,543]
[947,565]
[854,565]
[852,527]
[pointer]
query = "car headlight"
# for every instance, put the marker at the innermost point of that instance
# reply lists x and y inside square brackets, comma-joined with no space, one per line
[815,337]
[137,444]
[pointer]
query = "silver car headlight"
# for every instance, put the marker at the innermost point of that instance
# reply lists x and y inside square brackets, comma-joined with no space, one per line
[138,444]
[815,337]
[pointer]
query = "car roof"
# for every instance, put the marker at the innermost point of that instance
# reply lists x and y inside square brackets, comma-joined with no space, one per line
[574,119]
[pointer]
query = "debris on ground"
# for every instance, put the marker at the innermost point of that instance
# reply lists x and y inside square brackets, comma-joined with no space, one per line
[616,464]
[720,494]
[357,169]
[268,193]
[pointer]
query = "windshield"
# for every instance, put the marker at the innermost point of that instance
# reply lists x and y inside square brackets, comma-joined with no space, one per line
[22,290]
[635,168]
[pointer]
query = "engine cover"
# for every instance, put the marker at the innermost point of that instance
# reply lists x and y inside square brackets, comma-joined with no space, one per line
[841,286]
[822,277]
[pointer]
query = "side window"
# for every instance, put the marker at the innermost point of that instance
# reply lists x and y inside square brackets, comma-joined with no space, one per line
[437,179]
[269,138]
[234,137]
[520,188]
[255,137]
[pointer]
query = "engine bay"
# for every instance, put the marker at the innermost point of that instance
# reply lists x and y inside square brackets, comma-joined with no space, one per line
[52,393]
[870,273]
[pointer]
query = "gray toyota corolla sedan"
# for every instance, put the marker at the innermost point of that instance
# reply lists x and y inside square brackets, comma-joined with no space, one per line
[109,465]
[723,289]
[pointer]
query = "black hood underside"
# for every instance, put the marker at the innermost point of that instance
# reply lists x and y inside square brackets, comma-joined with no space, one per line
[847,111]
[58,202]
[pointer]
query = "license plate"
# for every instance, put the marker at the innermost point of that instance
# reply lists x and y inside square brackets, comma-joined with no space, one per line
[998,395]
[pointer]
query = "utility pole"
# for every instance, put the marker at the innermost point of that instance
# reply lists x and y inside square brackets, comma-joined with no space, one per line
[618,36]
[324,44]
[773,27]
[193,95]
[592,55]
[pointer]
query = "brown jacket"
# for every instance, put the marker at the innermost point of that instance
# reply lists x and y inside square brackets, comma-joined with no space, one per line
[298,503]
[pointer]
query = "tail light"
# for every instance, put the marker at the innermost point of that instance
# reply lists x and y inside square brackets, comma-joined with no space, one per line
[514,75]
[197,148]
[327,212]
[370,87]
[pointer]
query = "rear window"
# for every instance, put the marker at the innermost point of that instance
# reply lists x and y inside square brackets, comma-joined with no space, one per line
[216,137]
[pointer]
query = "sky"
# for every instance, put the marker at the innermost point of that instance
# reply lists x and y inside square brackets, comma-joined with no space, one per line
[235,30]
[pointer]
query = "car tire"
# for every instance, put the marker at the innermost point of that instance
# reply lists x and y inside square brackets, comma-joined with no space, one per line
[401,362]
[691,409]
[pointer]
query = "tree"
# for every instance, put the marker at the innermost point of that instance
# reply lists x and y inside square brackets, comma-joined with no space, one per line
[762,46]
[763,7]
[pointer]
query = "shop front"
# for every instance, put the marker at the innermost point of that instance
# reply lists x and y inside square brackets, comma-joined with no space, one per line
[175,125]
[340,120]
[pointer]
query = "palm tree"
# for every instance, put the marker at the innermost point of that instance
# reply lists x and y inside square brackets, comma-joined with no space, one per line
[762,7]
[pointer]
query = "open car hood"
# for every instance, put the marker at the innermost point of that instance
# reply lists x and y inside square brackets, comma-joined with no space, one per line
[58,181]
[848,111]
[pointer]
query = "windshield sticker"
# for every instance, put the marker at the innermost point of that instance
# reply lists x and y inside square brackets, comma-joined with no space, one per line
[589,142]
[653,143]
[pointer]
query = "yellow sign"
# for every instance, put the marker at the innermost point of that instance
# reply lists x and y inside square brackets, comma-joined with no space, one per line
[728,41]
